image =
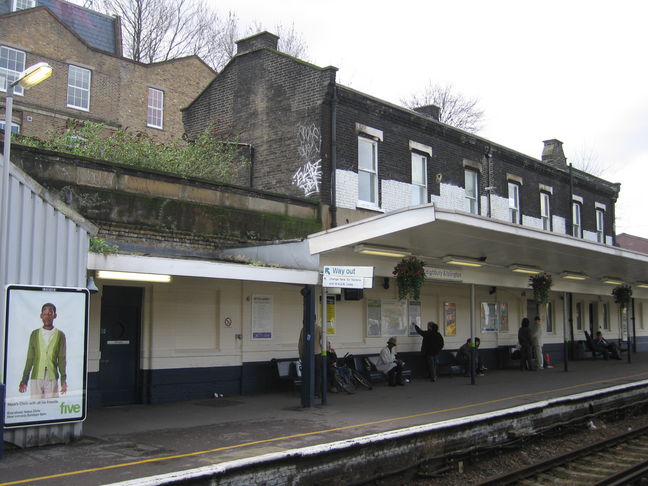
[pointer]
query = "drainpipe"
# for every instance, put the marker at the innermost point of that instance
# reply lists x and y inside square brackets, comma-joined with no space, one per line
[571,199]
[251,167]
[333,149]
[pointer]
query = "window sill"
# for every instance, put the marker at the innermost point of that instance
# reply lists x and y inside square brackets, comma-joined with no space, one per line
[369,206]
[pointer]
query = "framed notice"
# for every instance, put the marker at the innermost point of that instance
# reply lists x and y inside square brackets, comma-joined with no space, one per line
[45,355]
[373,318]
[262,316]
[450,318]
[394,317]
[414,316]
[489,317]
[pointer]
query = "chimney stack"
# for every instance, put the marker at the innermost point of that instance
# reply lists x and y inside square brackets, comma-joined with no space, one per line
[553,152]
[257,41]
[431,111]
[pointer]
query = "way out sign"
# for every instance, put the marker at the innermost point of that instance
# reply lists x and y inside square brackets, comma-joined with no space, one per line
[347,277]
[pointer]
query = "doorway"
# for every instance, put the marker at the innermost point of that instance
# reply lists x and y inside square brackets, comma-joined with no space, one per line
[119,370]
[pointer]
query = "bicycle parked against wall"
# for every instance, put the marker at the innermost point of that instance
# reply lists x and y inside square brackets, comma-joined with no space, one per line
[347,378]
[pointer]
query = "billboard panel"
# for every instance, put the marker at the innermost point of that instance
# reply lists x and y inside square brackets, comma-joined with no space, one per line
[45,355]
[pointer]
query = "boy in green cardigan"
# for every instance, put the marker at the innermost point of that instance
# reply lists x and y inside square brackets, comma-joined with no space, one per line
[46,358]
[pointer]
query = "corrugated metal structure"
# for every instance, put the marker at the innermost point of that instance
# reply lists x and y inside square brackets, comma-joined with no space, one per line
[47,245]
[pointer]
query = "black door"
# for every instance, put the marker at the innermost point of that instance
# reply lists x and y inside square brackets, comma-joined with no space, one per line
[121,309]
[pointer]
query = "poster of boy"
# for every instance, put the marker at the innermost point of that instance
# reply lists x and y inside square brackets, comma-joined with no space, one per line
[45,355]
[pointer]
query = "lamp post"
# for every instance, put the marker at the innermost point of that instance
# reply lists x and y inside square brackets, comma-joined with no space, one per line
[28,78]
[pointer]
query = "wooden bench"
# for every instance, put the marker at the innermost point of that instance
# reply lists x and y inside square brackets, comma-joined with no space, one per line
[289,370]
[373,374]
[589,342]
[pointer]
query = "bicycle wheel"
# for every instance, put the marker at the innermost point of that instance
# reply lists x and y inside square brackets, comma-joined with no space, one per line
[361,380]
[343,383]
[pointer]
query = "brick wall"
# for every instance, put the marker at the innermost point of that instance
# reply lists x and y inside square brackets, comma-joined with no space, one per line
[119,86]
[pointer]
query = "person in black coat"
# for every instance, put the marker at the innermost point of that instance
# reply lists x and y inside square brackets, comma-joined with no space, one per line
[526,346]
[431,347]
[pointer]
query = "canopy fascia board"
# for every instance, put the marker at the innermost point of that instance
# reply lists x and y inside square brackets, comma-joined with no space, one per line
[366,229]
[200,268]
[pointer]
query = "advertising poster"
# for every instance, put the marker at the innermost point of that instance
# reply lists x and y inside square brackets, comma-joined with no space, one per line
[373,317]
[394,317]
[262,320]
[450,318]
[330,315]
[45,355]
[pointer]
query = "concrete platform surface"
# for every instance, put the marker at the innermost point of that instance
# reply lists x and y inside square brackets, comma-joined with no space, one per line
[136,441]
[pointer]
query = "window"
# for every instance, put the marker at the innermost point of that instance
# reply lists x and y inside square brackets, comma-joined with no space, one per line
[12,63]
[577,230]
[419,179]
[368,171]
[472,191]
[550,318]
[78,94]
[15,128]
[23,4]
[579,316]
[545,210]
[600,226]
[514,202]
[606,316]
[155,114]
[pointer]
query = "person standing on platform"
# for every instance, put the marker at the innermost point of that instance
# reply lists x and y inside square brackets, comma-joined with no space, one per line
[431,347]
[536,342]
[526,346]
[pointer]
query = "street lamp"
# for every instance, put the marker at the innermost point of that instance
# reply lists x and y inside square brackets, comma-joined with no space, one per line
[28,78]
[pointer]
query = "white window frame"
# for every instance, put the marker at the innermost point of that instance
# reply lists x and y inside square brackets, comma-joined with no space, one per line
[600,225]
[419,187]
[514,202]
[11,67]
[370,171]
[545,210]
[606,316]
[472,200]
[77,90]
[15,128]
[578,309]
[25,5]
[155,108]
[549,325]
[577,215]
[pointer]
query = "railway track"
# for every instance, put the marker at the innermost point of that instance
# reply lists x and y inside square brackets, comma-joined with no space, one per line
[621,460]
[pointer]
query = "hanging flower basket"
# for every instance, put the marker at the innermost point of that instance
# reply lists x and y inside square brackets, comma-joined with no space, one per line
[622,295]
[541,285]
[409,275]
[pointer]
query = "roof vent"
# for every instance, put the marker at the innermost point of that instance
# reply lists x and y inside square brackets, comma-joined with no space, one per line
[553,152]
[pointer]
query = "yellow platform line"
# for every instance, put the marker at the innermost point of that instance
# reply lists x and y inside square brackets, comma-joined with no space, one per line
[317,432]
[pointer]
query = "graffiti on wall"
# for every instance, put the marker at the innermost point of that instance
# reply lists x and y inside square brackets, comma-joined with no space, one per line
[309,176]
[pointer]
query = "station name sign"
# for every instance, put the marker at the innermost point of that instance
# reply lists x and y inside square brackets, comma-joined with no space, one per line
[433,273]
[347,277]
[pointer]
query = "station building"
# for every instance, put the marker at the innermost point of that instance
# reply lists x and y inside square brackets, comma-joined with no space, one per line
[337,177]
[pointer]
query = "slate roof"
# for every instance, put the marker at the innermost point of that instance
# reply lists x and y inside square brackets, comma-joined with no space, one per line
[96,29]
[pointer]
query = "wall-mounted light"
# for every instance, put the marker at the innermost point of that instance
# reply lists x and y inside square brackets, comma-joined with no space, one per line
[611,281]
[641,285]
[524,269]
[138,277]
[462,261]
[573,276]
[90,285]
[381,251]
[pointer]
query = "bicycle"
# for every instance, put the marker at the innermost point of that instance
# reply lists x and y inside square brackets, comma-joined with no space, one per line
[357,377]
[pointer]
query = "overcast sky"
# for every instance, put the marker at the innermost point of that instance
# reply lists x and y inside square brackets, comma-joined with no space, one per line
[572,70]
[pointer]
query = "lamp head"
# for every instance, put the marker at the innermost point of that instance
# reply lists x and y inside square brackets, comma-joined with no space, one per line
[33,75]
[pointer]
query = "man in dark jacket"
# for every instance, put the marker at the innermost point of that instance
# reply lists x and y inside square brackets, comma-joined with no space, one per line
[526,346]
[431,347]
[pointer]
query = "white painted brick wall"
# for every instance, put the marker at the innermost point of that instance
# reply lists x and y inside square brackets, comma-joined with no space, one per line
[531,222]
[559,224]
[500,208]
[450,197]
[589,235]
[395,195]
[346,186]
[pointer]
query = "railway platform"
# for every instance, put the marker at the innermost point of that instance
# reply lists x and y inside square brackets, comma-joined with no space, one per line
[162,441]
